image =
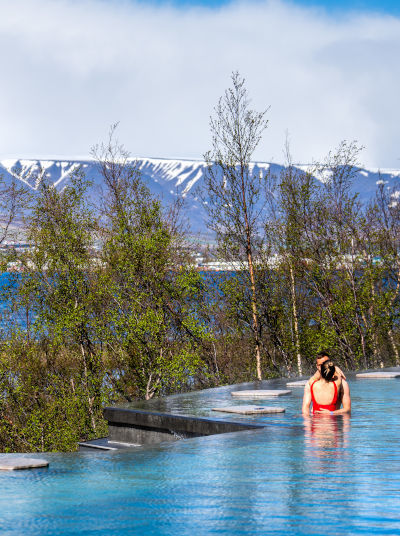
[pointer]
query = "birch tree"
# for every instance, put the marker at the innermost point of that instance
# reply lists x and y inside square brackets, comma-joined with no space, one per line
[233,191]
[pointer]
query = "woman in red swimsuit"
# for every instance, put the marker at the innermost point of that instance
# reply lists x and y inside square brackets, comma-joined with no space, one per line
[324,392]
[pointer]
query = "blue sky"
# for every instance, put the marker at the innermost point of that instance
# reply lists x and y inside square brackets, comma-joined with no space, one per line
[71,68]
[387,6]
[335,6]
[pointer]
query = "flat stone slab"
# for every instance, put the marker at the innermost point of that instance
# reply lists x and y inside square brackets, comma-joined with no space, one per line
[377,375]
[300,383]
[250,410]
[12,464]
[260,393]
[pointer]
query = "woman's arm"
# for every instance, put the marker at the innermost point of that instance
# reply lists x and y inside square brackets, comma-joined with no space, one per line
[346,400]
[306,399]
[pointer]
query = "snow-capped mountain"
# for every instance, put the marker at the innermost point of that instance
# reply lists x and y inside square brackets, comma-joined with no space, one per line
[166,178]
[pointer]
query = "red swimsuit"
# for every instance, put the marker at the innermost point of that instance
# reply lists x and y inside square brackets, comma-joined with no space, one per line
[329,407]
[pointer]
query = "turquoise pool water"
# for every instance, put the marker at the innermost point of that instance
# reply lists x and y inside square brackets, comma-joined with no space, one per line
[322,476]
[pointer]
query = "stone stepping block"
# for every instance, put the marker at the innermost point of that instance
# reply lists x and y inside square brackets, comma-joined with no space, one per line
[300,383]
[260,393]
[250,410]
[378,375]
[12,464]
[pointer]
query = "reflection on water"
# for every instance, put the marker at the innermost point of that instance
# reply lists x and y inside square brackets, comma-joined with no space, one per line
[326,436]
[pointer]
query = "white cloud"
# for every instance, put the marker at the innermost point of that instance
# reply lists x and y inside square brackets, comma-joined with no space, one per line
[70,68]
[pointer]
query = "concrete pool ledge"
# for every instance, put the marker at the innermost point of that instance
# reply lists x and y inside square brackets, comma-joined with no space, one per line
[298,383]
[12,463]
[260,393]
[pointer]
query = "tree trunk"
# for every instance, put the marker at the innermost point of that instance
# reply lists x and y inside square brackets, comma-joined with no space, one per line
[295,320]
[357,307]
[90,399]
[395,349]
[249,252]
[255,315]
[390,332]
[374,337]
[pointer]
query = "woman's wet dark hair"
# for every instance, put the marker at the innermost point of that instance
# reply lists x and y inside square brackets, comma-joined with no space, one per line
[328,370]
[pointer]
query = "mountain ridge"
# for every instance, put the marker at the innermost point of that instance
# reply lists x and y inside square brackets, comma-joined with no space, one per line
[168,178]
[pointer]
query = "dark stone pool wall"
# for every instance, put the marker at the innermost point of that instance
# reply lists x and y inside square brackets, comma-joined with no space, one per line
[146,427]
[138,427]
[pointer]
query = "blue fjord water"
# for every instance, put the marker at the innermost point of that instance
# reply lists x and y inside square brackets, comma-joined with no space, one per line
[319,476]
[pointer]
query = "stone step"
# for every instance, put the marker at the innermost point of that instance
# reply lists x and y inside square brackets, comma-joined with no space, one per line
[104,444]
[11,463]
[378,375]
[250,410]
[300,383]
[260,393]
